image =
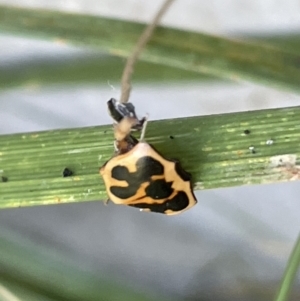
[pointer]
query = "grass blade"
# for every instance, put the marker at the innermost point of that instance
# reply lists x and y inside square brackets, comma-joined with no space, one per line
[87,69]
[290,273]
[215,149]
[33,270]
[234,60]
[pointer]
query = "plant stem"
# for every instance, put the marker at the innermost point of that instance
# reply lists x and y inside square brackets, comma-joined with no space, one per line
[134,56]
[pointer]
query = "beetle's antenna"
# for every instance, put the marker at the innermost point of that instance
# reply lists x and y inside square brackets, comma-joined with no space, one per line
[132,59]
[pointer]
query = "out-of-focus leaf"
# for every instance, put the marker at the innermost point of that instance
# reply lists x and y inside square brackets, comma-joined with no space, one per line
[290,273]
[87,69]
[220,57]
[31,270]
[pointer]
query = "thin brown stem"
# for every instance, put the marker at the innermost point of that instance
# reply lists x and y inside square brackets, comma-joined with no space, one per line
[132,59]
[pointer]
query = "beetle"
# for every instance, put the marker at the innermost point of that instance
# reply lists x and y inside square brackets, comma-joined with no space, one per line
[139,176]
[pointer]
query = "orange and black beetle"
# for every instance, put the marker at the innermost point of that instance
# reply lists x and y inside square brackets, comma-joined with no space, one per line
[139,176]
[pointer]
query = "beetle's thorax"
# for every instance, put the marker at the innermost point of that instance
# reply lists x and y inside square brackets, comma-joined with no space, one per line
[125,145]
[124,142]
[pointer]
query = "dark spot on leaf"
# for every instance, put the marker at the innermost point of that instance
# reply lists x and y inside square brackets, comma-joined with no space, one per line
[67,172]
[4,179]
[252,149]
[247,132]
[171,137]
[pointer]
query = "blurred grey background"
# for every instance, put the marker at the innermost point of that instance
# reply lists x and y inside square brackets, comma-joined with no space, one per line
[235,243]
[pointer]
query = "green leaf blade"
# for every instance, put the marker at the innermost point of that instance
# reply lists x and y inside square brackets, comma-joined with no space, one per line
[214,149]
[234,60]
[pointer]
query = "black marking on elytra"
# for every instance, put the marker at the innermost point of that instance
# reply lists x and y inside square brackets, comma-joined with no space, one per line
[179,202]
[120,173]
[67,172]
[159,189]
[125,192]
[184,175]
[146,167]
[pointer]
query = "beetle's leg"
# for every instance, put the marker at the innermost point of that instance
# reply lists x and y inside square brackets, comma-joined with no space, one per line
[144,128]
[106,202]
[116,145]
